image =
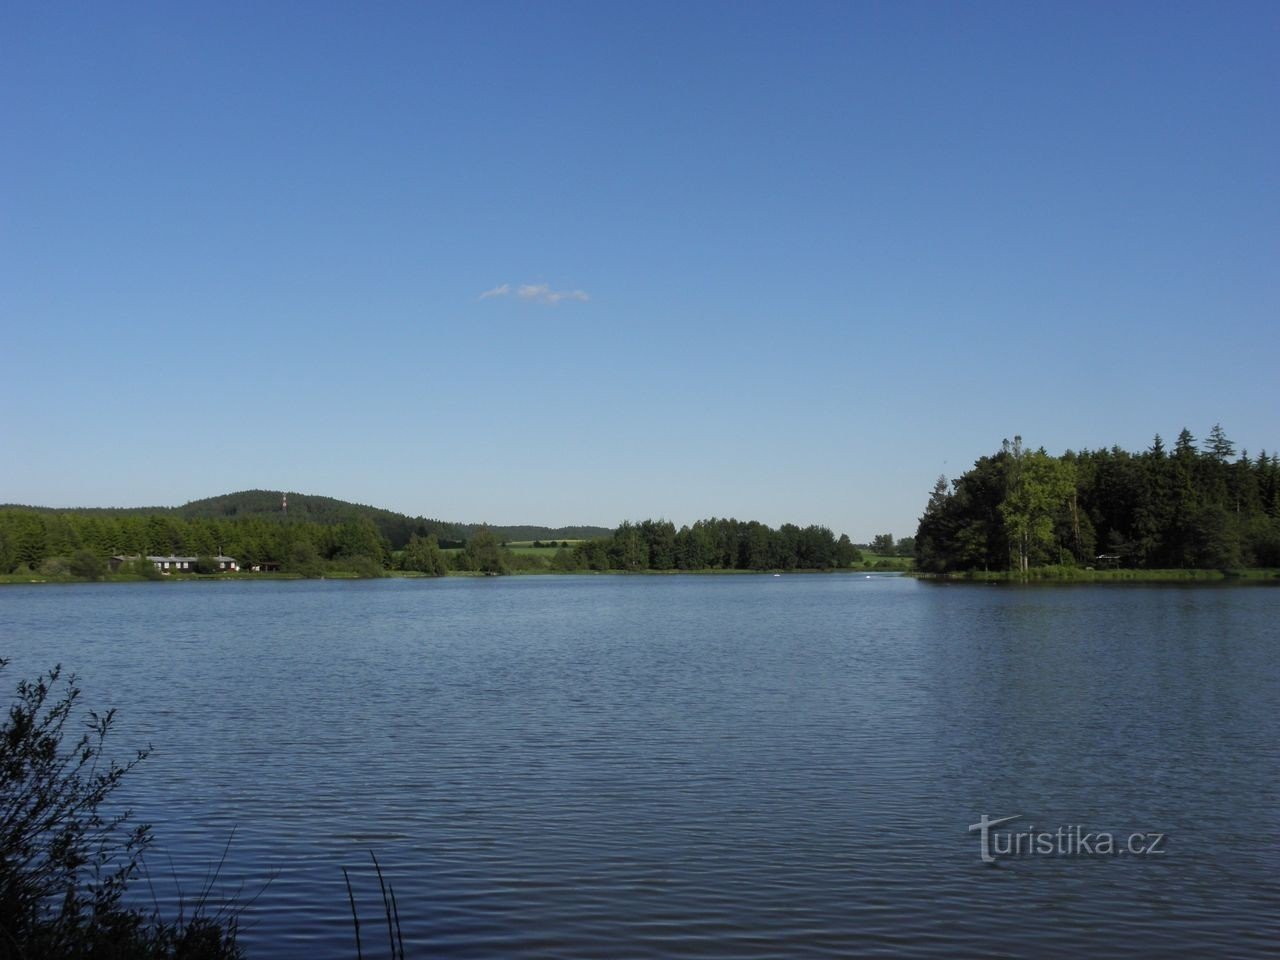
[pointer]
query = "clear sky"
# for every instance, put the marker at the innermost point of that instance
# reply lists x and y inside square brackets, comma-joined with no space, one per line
[784,261]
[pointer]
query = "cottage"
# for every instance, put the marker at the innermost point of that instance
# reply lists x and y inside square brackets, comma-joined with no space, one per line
[173,564]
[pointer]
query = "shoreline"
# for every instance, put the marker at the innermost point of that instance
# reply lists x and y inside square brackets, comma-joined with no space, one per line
[1069,575]
[1041,576]
[16,579]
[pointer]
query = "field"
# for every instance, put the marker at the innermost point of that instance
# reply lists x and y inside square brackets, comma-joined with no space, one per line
[875,561]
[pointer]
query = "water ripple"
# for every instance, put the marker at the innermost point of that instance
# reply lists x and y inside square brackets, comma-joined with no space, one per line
[692,766]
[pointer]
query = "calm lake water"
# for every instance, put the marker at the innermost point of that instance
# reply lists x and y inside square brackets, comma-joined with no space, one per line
[699,766]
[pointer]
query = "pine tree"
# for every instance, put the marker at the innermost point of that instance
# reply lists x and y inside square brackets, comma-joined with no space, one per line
[1220,448]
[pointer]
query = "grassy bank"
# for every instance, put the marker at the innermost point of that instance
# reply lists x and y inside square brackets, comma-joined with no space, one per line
[704,572]
[1057,574]
[875,561]
[539,570]
[31,576]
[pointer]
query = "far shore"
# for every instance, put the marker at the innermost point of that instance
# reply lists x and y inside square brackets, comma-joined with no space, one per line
[31,577]
[1087,575]
[1041,575]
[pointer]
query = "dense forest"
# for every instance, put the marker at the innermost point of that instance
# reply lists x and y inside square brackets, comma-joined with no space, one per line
[31,540]
[396,528]
[79,544]
[714,544]
[466,531]
[1191,507]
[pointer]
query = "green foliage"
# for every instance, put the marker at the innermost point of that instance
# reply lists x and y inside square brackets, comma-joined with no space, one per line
[1220,448]
[303,559]
[8,553]
[846,554]
[366,568]
[714,544]
[1074,574]
[200,516]
[317,535]
[142,567]
[55,567]
[483,554]
[394,528]
[1036,487]
[882,544]
[65,863]
[528,561]
[1150,510]
[86,565]
[205,564]
[422,555]
[527,534]
[359,538]
[887,563]
[33,539]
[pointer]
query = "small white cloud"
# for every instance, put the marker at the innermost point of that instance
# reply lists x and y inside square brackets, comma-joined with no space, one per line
[541,293]
[536,293]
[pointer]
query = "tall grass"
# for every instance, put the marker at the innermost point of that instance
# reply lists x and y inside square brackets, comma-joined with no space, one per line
[395,937]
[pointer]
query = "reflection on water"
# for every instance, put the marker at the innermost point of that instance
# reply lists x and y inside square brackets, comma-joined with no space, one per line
[695,766]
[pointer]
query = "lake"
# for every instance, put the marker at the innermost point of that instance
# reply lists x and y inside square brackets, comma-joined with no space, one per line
[695,766]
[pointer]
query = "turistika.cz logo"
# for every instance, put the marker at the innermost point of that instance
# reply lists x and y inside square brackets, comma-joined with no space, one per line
[1069,841]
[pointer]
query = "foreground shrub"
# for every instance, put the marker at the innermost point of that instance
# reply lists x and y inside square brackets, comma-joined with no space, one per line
[65,858]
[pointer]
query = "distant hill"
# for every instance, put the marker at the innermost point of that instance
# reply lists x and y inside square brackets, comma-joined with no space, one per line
[541,533]
[266,504]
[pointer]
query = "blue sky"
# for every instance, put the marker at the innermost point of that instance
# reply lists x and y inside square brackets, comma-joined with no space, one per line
[776,261]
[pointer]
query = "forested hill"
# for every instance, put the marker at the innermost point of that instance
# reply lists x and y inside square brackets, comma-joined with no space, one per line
[1203,508]
[266,505]
[536,533]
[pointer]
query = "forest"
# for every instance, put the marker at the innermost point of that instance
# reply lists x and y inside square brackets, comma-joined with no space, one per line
[714,544]
[396,528]
[55,543]
[78,544]
[1197,506]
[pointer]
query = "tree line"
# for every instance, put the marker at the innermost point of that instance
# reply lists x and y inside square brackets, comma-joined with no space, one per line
[396,528]
[714,544]
[78,544]
[31,540]
[1196,506]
